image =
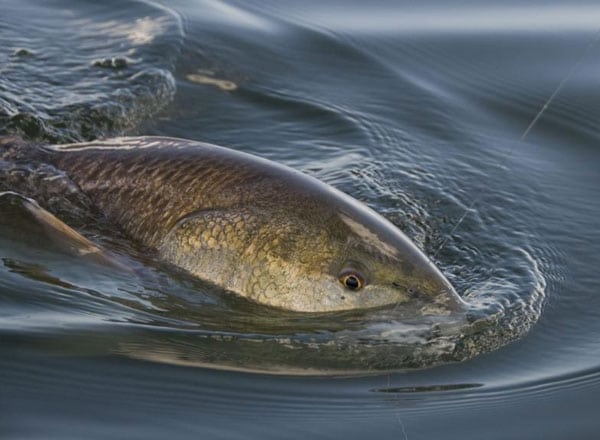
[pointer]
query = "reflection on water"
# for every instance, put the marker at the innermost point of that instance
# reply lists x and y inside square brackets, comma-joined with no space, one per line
[459,20]
[416,110]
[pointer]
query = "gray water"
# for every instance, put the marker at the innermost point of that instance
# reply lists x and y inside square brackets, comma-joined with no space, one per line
[417,109]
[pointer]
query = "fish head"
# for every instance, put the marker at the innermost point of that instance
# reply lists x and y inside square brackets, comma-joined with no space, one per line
[348,259]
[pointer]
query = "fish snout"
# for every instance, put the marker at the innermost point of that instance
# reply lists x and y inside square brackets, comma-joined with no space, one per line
[445,298]
[435,293]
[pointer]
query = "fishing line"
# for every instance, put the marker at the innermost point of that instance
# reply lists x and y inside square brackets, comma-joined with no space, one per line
[534,121]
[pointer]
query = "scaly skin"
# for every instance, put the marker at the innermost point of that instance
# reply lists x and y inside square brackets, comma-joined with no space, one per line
[262,230]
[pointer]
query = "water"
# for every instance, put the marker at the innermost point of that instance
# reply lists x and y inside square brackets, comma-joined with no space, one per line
[414,108]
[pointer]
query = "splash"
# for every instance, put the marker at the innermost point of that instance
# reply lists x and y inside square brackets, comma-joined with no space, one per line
[74,74]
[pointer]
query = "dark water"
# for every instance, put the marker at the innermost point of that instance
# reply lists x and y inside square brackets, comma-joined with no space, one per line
[416,108]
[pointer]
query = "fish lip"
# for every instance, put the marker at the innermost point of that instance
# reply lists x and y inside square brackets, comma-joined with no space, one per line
[453,300]
[444,297]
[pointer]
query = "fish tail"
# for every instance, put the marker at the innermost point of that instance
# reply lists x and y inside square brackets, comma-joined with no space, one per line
[26,169]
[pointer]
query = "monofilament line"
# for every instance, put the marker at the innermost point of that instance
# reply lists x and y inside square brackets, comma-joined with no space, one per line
[538,115]
[568,76]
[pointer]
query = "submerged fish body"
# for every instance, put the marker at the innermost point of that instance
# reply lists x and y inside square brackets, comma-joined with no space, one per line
[254,227]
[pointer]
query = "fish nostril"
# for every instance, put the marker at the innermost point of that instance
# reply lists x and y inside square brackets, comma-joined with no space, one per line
[413,292]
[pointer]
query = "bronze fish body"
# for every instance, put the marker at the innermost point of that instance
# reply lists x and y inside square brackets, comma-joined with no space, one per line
[254,227]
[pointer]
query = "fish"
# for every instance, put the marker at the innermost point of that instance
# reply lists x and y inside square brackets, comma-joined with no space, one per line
[252,226]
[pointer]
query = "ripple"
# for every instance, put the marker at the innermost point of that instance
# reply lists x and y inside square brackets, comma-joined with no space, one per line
[84,86]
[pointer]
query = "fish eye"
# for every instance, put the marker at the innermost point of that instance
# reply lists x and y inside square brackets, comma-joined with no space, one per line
[351,280]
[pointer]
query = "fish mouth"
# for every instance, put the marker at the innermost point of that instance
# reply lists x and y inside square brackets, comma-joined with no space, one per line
[449,298]
[434,298]
[453,300]
[444,296]
[432,286]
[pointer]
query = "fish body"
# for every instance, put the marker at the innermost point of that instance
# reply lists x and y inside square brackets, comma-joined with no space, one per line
[257,228]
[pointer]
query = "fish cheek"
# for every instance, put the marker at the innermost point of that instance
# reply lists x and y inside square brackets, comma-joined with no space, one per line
[284,276]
